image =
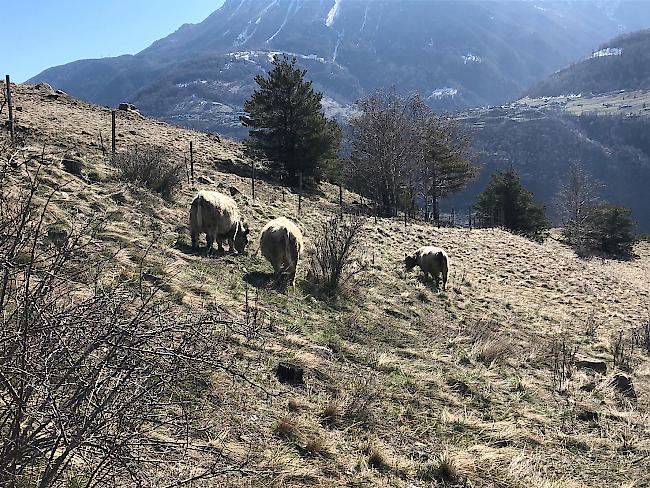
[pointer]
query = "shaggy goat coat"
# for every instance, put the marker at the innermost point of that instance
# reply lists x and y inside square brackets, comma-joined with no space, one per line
[217,216]
[281,244]
[431,260]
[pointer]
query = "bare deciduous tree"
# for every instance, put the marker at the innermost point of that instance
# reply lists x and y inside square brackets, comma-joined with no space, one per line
[400,149]
[578,196]
[382,142]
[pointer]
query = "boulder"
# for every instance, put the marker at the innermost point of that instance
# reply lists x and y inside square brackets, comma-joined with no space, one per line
[127,107]
[292,374]
[45,88]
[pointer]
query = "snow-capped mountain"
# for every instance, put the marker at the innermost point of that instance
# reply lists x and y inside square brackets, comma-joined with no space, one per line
[456,54]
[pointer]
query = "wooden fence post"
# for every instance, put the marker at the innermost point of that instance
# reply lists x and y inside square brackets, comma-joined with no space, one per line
[192,162]
[299,193]
[113,132]
[11,110]
[253,178]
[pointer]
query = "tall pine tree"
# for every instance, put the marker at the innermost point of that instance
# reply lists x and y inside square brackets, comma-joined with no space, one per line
[287,123]
[446,165]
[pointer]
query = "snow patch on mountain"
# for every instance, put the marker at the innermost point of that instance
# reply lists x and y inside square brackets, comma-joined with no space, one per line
[190,83]
[608,51]
[472,58]
[290,9]
[336,47]
[445,92]
[256,56]
[365,16]
[331,15]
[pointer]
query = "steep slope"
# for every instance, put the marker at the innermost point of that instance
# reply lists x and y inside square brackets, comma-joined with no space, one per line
[457,54]
[405,386]
[622,63]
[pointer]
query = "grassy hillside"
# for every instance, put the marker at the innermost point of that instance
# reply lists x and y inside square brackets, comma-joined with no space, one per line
[405,386]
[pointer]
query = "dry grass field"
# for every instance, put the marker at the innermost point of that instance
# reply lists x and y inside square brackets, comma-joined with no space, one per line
[405,385]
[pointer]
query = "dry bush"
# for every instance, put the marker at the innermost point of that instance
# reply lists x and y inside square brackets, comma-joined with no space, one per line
[622,350]
[642,336]
[337,253]
[287,429]
[444,469]
[492,350]
[93,373]
[563,356]
[332,414]
[379,459]
[151,167]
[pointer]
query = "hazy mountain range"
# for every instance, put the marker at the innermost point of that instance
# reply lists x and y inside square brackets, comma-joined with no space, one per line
[457,54]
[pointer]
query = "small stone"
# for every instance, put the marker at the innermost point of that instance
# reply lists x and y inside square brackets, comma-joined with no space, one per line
[204,180]
[72,165]
[588,387]
[234,191]
[459,387]
[587,415]
[290,373]
[57,235]
[623,384]
[593,365]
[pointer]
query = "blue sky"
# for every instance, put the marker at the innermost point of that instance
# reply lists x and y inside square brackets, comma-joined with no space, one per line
[46,33]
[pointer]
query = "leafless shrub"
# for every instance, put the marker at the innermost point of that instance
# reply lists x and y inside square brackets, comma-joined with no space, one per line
[92,372]
[379,459]
[337,256]
[151,167]
[622,350]
[591,325]
[642,335]
[563,356]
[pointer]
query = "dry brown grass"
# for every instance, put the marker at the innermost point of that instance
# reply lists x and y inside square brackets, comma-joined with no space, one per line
[384,353]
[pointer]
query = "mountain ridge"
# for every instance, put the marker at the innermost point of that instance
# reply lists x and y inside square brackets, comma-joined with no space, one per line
[455,54]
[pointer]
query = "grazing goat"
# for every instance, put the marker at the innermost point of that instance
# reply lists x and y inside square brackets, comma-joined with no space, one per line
[431,260]
[281,244]
[217,215]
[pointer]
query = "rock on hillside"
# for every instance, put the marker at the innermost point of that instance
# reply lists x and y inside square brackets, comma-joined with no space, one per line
[455,54]
[403,385]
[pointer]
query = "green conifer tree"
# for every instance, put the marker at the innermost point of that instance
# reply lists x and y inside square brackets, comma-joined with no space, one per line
[287,123]
[505,202]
